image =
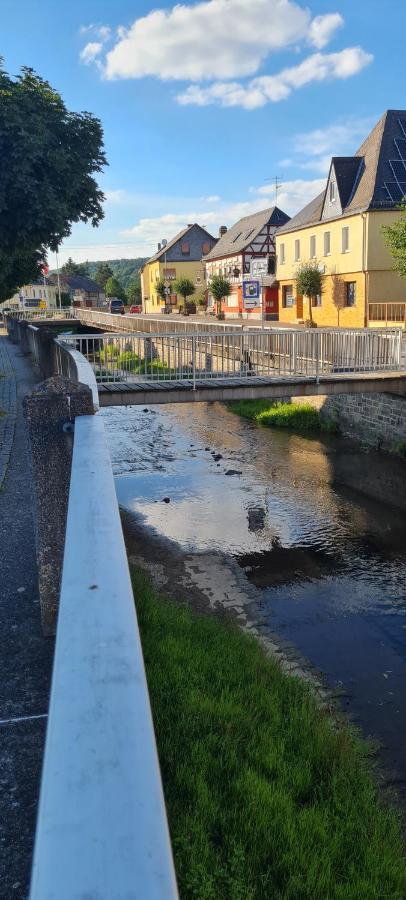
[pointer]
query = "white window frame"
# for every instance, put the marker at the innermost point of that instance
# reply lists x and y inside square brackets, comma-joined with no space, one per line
[332,193]
[312,243]
[345,239]
[327,236]
[297,249]
[282,255]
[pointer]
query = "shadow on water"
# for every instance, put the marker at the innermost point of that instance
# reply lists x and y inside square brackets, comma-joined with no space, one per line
[326,560]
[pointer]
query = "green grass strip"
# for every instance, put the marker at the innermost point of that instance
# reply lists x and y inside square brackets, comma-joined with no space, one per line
[266,796]
[296,416]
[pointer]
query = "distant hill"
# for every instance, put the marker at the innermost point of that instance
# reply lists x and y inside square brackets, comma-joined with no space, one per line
[125,270]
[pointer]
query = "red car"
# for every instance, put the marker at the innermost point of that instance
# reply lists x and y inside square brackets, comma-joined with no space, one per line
[135,309]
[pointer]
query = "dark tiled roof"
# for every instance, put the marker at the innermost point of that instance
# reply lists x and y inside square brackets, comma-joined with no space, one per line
[346,169]
[241,235]
[177,238]
[80,283]
[373,170]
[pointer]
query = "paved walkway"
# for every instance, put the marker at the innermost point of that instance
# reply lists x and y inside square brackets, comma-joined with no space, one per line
[25,655]
[7,406]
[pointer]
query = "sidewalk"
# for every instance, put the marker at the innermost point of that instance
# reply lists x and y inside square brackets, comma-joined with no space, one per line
[25,655]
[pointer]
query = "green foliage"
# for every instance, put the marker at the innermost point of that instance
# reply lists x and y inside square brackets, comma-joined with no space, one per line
[48,159]
[267,795]
[134,292]
[309,283]
[184,287]
[160,288]
[219,288]
[102,273]
[296,416]
[65,298]
[126,270]
[395,239]
[113,288]
[72,268]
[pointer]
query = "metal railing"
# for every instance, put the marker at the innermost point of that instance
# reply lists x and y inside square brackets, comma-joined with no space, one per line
[101,827]
[268,354]
[388,313]
[33,314]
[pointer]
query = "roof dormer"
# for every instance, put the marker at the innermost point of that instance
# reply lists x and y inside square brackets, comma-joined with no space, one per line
[342,180]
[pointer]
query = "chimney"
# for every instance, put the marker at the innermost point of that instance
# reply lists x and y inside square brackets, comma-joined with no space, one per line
[159,247]
[222,230]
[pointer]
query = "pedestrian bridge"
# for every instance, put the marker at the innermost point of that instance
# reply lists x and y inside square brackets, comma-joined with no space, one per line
[134,369]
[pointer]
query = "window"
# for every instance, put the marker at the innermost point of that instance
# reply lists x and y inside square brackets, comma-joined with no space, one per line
[313,246]
[327,243]
[345,239]
[350,293]
[185,248]
[332,191]
[287,295]
[237,236]
[282,254]
[271,265]
[205,248]
[297,251]
[316,300]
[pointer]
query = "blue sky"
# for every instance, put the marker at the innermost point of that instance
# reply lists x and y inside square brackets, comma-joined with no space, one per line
[202,104]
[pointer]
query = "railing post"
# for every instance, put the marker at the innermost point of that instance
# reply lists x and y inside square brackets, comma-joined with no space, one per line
[194,360]
[318,337]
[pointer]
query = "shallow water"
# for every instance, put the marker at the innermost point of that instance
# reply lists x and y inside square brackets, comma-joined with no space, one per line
[329,564]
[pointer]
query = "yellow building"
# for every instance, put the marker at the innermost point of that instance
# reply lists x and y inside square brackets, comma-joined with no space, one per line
[341,231]
[179,258]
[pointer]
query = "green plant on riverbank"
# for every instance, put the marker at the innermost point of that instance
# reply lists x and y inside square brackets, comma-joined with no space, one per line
[275,414]
[266,796]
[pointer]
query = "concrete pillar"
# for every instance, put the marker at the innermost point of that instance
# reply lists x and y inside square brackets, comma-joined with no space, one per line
[51,410]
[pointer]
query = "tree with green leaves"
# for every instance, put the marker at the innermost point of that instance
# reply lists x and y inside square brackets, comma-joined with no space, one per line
[134,293]
[102,274]
[114,288]
[219,288]
[309,283]
[395,239]
[72,268]
[184,287]
[49,157]
[160,288]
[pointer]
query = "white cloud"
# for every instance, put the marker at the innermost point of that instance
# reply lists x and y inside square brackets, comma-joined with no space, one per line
[314,149]
[116,196]
[322,29]
[293,195]
[91,52]
[214,39]
[273,88]
[212,198]
[101,32]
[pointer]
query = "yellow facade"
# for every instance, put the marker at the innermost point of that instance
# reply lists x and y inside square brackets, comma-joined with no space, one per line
[359,258]
[157,270]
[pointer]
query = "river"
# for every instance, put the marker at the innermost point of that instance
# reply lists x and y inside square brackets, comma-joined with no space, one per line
[271,525]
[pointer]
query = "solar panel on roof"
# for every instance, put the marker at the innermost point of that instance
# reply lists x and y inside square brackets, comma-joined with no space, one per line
[398,168]
[402,123]
[402,185]
[401,147]
[394,190]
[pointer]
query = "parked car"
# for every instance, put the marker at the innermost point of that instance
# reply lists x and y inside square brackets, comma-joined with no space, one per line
[116,306]
[137,308]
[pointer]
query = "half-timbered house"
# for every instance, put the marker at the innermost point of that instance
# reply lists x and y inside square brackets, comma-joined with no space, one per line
[244,251]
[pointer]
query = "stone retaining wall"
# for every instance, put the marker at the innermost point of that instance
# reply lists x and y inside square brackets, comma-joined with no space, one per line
[377,420]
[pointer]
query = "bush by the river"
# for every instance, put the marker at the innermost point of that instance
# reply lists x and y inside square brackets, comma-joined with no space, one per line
[276,414]
[267,795]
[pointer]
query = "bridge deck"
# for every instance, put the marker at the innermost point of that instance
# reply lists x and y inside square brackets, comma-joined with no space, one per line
[227,389]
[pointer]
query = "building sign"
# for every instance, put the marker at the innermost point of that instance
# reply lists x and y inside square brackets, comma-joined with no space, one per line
[251,291]
[259,266]
[169,274]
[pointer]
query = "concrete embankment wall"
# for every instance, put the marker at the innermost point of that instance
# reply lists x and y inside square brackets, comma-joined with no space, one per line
[374,420]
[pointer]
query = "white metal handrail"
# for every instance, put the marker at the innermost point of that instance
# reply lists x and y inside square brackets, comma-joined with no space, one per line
[270,354]
[101,829]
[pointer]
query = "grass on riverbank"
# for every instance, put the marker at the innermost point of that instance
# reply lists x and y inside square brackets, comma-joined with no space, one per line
[296,416]
[266,797]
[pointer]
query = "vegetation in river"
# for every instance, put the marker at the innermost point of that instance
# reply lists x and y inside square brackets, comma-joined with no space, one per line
[267,796]
[275,414]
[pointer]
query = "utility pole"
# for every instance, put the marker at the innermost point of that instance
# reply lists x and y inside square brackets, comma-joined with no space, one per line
[59,280]
[278,186]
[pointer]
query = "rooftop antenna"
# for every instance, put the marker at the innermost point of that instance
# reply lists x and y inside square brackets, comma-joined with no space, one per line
[278,186]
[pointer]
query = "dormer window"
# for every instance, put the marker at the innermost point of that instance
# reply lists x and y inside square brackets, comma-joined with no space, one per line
[332,191]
